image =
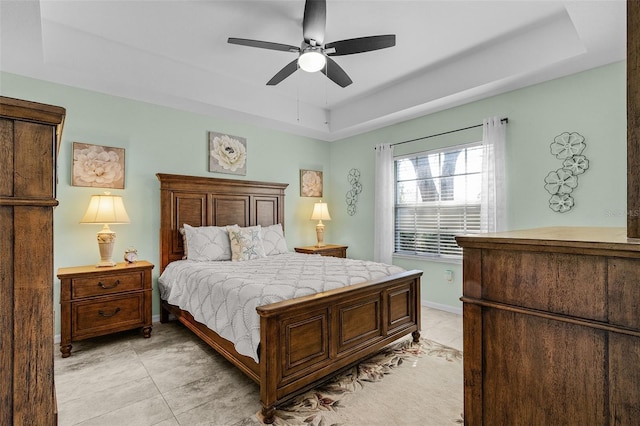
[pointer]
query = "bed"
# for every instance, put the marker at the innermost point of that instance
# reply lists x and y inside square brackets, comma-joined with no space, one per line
[303,341]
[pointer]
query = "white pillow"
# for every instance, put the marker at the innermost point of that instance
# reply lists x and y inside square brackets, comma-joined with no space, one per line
[273,240]
[246,243]
[207,243]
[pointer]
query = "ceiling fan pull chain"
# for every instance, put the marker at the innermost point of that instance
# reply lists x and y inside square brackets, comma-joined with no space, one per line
[326,90]
[326,100]
[298,99]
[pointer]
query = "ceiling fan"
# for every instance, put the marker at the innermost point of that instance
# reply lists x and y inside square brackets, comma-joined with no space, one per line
[313,55]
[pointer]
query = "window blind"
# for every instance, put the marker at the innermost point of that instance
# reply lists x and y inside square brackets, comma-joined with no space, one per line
[437,198]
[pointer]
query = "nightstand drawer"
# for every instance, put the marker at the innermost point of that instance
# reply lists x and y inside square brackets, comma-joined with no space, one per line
[107,284]
[114,314]
[334,250]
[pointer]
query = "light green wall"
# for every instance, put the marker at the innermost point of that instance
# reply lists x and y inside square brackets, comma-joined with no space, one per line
[159,139]
[592,103]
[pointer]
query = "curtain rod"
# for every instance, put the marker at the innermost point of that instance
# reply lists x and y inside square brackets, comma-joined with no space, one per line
[503,120]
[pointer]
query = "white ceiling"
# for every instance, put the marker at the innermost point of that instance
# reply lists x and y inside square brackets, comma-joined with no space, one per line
[175,53]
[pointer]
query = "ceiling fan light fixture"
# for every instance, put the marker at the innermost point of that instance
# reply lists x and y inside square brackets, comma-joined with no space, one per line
[312,60]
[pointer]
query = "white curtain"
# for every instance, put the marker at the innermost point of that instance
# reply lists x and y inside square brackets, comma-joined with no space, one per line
[493,196]
[383,205]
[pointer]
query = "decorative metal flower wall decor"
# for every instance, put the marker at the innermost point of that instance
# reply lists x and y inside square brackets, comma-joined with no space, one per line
[356,188]
[560,183]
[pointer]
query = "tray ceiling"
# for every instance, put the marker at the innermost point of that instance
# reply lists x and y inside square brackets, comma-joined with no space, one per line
[175,53]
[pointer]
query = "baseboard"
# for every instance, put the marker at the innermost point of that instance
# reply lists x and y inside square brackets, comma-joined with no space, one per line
[56,338]
[441,307]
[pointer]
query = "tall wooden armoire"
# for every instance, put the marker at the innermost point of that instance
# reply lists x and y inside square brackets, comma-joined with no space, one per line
[29,140]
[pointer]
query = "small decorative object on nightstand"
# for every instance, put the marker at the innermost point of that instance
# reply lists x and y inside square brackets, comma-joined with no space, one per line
[131,255]
[333,250]
[96,301]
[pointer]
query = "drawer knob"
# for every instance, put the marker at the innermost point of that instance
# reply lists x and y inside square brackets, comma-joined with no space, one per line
[101,284]
[102,314]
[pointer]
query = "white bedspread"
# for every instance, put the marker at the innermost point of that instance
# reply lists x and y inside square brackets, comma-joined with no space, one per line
[224,295]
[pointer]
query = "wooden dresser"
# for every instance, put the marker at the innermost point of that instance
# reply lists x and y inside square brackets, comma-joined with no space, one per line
[96,301]
[29,140]
[551,327]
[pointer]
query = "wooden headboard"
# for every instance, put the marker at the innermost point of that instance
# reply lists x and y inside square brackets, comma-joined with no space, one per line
[201,201]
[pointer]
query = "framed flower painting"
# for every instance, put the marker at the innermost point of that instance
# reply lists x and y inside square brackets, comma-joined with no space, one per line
[227,154]
[310,183]
[97,166]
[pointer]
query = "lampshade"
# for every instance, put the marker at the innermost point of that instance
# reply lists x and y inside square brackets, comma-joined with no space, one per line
[105,209]
[320,211]
[312,60]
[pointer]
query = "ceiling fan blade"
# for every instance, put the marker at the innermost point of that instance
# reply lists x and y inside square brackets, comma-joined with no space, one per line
[361,44]
[314,21]
[336,73]
[263,44]
[285,72]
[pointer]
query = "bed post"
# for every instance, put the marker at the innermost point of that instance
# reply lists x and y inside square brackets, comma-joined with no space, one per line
[268,367]
[164,313]
[268,414]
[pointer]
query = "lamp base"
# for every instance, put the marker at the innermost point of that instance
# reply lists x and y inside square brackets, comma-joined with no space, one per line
[320,234]
[106,241]
[105,263]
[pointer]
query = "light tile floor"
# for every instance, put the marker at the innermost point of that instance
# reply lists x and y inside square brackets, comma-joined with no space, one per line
[173,378]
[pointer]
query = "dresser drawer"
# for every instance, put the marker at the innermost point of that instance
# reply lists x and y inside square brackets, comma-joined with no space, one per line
[112,314]
[107,284]
[560,283]
[624,292]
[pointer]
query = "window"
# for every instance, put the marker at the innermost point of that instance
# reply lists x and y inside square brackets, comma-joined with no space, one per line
[437,197]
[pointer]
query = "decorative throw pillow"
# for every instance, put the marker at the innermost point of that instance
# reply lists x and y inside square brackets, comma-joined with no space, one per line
[273,240]
[246,243]
[184,243]
[207,243]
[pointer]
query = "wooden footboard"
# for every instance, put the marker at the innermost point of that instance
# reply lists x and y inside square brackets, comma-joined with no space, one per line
[307,340]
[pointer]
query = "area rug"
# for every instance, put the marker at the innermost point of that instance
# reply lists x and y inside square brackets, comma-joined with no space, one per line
[405,384]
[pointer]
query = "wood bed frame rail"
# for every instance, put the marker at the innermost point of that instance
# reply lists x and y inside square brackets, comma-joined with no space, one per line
[303,341]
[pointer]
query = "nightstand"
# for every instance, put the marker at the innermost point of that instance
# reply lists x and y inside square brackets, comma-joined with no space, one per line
[96,301]
[327,250]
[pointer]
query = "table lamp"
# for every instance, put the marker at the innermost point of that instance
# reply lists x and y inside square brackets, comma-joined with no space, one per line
[106,209]
[320,213]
